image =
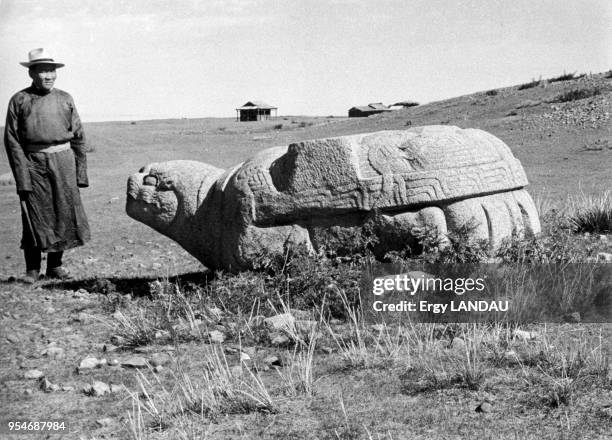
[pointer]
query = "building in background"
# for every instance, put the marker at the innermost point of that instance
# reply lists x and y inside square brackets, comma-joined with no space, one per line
[368,110]
[255,111]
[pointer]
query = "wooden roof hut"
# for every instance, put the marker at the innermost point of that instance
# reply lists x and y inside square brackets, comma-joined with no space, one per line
[255,111]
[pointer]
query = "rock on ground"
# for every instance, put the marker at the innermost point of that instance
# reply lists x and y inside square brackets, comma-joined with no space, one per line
[33,374]
[134,362]
[97,389]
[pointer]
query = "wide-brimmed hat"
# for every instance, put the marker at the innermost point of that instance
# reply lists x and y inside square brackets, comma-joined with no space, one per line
[40,56]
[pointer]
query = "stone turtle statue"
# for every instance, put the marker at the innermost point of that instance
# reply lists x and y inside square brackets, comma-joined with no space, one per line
[320,192]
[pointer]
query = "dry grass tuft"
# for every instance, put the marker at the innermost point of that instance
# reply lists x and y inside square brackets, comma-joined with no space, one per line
[215,391]
[591,213]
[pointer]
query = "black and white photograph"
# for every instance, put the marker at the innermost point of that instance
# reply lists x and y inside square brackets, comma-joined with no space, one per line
[306,219]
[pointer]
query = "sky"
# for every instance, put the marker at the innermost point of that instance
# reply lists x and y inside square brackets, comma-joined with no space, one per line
[150,59]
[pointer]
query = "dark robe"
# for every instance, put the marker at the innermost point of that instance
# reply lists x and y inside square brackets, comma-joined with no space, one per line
[36,120]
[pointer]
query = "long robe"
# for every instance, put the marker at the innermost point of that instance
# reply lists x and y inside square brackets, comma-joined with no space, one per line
[36,120]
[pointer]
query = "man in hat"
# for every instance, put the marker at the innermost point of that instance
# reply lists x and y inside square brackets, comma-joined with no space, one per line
[45,145]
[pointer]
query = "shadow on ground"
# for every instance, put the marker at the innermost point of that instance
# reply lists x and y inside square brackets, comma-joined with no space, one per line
[135,286]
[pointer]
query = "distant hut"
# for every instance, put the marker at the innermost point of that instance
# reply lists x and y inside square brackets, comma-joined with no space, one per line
[368,110]
[255,111]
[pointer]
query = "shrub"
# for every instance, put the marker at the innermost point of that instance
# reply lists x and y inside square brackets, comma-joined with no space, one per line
[278,126]
[407,104]
[564,77]
[296,279]
[576,94]
[491,92]
[555,246]
[608,74]
[529,85]
[461,247]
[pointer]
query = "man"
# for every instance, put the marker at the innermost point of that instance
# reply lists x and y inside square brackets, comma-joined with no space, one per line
[45,145]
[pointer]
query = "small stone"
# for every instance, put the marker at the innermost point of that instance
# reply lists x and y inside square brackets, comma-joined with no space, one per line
[327,350]
[89,363]
[33,374]
[67,388]
[273,360]
[159,359]
[117,388]
[134,362]
[107,421]
[54,352]
[236,371]
[251,351]
[28,391]
[161,334]
[46,386]
[284,321]
[158,368]
[97,389]
[114,363]
[525,335]
[603,237]
[278,339]
[244,357]
[216,337]
[484,407]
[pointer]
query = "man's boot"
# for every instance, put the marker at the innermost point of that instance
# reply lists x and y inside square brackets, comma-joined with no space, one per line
[32,259]
[54,267]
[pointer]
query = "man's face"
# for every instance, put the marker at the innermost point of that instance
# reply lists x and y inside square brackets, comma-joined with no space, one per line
[43,76]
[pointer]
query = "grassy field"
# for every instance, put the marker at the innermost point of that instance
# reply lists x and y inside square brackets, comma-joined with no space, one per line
[138,294]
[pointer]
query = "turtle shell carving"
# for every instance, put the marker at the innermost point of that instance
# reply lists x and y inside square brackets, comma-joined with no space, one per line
[314,191]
